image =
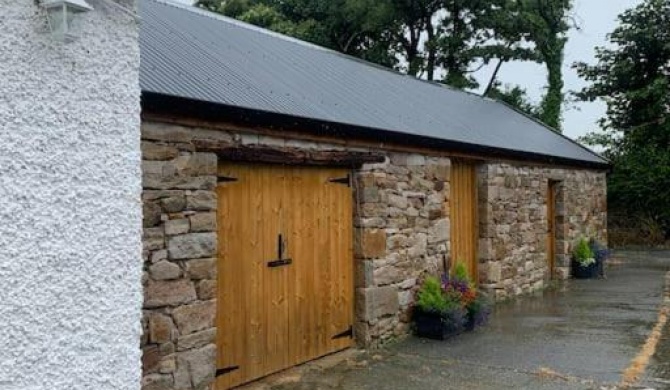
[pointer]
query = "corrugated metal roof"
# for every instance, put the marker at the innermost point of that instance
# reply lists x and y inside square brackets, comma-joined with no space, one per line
[191,53]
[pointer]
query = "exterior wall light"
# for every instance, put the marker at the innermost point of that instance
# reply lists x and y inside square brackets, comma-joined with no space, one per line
[61,14]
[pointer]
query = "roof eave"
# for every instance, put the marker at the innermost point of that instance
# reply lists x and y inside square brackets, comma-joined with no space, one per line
[175,106]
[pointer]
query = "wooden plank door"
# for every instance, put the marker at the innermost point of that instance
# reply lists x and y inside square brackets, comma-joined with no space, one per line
[270,318]
[252,307]
[464,223]
[321,303]
[551,229]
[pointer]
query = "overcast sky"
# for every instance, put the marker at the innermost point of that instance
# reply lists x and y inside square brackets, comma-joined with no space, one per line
[596,18]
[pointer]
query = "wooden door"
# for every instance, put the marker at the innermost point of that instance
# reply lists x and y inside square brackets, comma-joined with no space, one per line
[464,224]
[285,269]
[551,229]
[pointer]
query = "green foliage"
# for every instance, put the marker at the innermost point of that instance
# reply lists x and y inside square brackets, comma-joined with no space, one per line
[430,297]
[445,40]
[632,76]
[461,272]
[582,253]
[516,97]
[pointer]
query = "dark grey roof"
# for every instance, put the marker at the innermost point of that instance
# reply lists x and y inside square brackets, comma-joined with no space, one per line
[191,53]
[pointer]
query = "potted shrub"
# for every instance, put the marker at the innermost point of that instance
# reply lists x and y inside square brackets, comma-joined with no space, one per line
[583,261]
[448,307]
[600,253]
[478,312]
[437,314]
[476,305]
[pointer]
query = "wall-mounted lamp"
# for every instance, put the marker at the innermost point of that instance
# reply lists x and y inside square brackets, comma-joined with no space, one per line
[61,14]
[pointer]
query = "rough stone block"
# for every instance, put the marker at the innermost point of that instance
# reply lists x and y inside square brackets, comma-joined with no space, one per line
[161,328]
[206,289]
[157,382]
[200,366]
[174,204]
[177,226]
[194,317]
[168,293]
[201,268]
[201,201]
[370,243]
[196,340]
[153,238]
[203,222]
[196,164]
[164,270]
[151,214]
[439,232]
[192,246]
[158,152]
[375,302]
[364,273]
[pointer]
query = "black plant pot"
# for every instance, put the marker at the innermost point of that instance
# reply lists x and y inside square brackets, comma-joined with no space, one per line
[470,324]
[432,325]
[591,271]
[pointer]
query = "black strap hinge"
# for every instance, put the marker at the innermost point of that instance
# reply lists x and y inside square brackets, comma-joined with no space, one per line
[226,179]
[347,333]
[342,180]
[226,370]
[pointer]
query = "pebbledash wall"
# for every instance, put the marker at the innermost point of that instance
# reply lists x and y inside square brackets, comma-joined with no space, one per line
[70,241]
[402,232]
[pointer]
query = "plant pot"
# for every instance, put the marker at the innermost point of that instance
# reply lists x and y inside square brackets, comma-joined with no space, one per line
[432,325]
[591,271]
[470,324]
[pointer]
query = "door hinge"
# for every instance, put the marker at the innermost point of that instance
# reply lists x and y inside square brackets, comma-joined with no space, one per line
[226,370]
[347,333]
[342,180]
[226,179]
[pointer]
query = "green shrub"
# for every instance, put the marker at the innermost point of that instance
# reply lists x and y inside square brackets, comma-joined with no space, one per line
[430,297]
[582,253]
[461,272]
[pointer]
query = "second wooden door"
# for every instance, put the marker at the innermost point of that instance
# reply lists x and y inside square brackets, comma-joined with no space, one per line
[464,224]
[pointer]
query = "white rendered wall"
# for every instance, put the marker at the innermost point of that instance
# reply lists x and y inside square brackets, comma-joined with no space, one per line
[70,213]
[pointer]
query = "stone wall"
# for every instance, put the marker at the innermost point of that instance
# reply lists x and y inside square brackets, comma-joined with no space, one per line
[70,241]
[179,202]
[402,231]
[513,223]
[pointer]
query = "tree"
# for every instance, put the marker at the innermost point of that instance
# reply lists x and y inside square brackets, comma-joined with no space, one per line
[546,23]
[515,97]
[633,78]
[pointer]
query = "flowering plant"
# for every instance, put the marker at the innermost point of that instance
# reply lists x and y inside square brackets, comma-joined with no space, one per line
[454,299]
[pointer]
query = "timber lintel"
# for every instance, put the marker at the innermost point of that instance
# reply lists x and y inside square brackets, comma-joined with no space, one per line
[287,155]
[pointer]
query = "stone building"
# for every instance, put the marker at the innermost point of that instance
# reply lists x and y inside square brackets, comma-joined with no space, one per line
[293,196]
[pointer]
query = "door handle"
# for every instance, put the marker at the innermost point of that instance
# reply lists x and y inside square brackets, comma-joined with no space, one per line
[281,248]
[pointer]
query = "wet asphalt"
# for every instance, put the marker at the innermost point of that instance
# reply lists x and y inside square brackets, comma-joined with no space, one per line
[578,335]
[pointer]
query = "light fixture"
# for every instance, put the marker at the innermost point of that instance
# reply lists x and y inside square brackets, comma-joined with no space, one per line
[61,15]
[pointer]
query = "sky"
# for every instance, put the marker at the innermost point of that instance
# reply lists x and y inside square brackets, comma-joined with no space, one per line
[596,19]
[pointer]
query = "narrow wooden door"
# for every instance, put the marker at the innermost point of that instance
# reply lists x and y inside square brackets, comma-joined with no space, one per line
[551,229]
[464,224]
[285,269]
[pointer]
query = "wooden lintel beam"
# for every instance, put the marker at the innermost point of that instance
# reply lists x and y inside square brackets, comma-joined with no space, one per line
[287,155]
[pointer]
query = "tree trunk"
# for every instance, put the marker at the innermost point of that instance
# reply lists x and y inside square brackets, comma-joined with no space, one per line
[494,76]
[432,49]
[553,100]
